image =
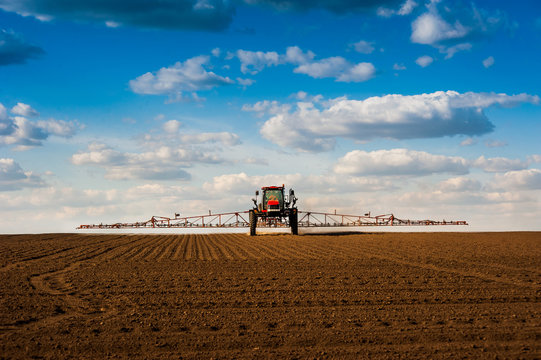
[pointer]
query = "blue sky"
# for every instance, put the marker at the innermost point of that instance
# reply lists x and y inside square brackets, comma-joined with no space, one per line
[120,110]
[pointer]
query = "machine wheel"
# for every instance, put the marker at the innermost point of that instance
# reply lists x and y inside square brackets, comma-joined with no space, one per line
[253,222]
[293,223]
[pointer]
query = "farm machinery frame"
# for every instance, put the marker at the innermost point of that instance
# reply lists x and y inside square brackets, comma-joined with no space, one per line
[273,208]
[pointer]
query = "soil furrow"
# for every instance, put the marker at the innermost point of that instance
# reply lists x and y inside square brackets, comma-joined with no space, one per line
[377,296]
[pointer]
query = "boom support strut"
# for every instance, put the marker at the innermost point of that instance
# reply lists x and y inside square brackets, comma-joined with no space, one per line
[241,219]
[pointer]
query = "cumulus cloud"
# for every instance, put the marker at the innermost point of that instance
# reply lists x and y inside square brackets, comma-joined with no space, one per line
[187,76]
[254,61]
[534,158]
[163,156]
[468,142]
[405,9]
[208,15]
[162,164]
[430,28]
[294,55]
[173,136]
[245,82]
[453,29]
[15,50]
[333,67]
[313,126]
[13,177]
[424,61]
[499,164]
[452,50]
[495,143]
[23,133]
[399,162]
[363,47]
[216,52]
[339,68]
[239,182]
[24,110]
[488,62]
[518,180]
[459,184]
[171,126]
[267,107]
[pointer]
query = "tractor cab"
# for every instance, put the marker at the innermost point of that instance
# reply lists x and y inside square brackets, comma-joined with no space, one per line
[274,206]
[273,199]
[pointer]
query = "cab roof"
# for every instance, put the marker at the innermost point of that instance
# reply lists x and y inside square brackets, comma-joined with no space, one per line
[272,187]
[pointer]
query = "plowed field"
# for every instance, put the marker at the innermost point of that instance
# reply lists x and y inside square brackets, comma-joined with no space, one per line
[384,295]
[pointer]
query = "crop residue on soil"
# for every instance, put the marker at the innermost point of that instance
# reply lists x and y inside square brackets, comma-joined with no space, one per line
[387,295]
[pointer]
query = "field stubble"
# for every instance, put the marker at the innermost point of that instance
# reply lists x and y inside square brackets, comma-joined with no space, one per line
[385,295]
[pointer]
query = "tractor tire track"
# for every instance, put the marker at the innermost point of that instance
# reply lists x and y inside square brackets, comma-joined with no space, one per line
[55,283]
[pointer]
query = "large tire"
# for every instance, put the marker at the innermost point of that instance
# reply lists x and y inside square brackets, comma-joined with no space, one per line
[293,222]
[253,222]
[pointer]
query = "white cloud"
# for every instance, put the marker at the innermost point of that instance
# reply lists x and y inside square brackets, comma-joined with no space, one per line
[399,67]
[495,144]
[245,82]
[363,47]
[162,156]
[468,142]
[452,29]
[459,184]
[499,164]
[294,55]
[225,138]
[171,126]
[518,180]
[216,52]
[452,50]
[254,61]
[267,107]
[23,133]
[333,67]
[24,110]
[339,68]
[534,158]
[161,164]
[424,61]
[239,183]
[112,24]
[329,67]
[187,76]
[488,62]
[430,28]
[58,127]
[358,73]
[313,126]
[13,177]
[405,9]
[399,162]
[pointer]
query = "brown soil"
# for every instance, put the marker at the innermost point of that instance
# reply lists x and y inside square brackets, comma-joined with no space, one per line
[385,295]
